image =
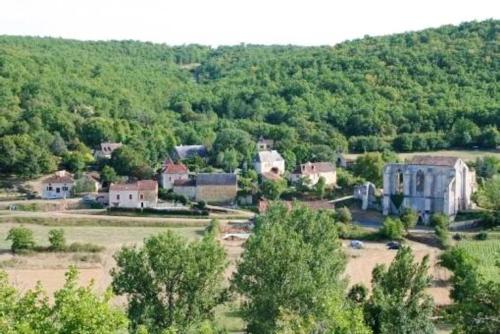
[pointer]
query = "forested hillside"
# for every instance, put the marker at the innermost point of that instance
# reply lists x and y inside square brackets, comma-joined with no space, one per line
[414,91]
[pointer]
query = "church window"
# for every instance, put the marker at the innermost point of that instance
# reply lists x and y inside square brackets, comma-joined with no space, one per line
[399,182]
[420,181]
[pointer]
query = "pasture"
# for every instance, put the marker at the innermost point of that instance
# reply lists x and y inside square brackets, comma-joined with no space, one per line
[487,252]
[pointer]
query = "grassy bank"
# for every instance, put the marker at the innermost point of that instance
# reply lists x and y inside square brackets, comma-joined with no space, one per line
[70,221]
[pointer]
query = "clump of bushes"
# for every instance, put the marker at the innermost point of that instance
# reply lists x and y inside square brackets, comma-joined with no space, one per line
[77,247]
[481,236]
[176,212]
[343,215]
[214,227]
[22,239]
[441,223]
[409,218]
[57,239]
[392,229]
[169,195]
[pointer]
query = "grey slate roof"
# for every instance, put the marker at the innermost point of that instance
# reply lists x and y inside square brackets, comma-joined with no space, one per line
[269,156]
[216,179]
[433,160]
[187,151]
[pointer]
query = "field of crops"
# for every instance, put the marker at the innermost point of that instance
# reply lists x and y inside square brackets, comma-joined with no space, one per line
[487,252]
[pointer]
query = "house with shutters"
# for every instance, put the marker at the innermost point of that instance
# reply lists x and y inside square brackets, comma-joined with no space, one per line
[139,194]
[172,172]
[313,171]
[58,185]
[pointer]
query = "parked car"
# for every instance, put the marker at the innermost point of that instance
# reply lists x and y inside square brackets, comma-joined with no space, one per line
[393,245]
[356,244]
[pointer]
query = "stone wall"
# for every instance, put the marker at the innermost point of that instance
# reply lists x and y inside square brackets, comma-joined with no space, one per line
[216,193]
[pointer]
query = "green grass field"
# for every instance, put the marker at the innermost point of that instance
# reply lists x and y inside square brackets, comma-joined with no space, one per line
[487,252]
[101,235]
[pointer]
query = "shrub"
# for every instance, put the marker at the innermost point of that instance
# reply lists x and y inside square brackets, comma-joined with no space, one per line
[409,218]
[77,247]
[344,215]
[457,237]
[441,223]
[201,205]
[21,238]
[213,227]
[57,239]
[392,229]
[358,293]
[481,236]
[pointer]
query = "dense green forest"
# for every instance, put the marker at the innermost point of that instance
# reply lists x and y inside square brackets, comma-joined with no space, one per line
[413,91]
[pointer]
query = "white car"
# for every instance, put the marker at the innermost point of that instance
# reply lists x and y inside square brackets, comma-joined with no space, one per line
[356,244]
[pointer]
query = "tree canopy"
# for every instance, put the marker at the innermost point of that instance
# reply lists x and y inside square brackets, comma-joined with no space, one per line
[413,91]
[170,283]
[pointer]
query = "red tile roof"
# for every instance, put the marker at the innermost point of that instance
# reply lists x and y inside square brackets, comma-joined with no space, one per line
[169,167]
[144,185]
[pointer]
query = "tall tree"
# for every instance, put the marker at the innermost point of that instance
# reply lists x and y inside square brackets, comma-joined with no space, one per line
[369,166]
[74,310]
[292,266]
[399,302]
[476,307]
[170,283]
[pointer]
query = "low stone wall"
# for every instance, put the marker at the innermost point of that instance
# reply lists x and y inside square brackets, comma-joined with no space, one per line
[464,225]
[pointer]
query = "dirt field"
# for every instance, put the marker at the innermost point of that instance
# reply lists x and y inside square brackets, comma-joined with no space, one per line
[49,268]
[362,261]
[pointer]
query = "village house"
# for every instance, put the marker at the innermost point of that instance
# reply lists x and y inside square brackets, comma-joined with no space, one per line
[139,194]
[428,184]
[313,171]
[58,185]
[172,172]
[269,161]
[188,151]
[106,149]
[209,187]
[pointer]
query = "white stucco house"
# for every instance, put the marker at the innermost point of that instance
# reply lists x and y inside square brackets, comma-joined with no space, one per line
[139,194]
[58,185]
[172,172]
[269,162]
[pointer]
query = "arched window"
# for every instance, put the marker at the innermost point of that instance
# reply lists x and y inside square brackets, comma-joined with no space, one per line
[420,181]
[399,181]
